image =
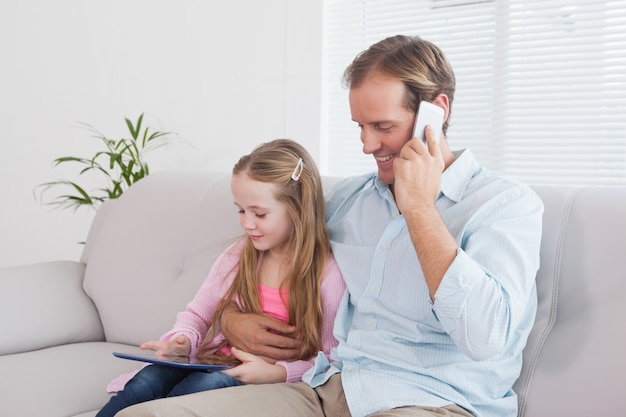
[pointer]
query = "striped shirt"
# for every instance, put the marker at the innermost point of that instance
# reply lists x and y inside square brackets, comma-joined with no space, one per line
[398,348]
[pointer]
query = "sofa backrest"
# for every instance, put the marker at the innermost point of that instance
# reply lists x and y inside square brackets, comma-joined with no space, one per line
[575,356]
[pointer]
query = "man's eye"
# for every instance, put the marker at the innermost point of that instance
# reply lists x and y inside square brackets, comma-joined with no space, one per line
[383,128]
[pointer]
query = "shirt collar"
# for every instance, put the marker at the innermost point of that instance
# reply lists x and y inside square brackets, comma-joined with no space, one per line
[455,178]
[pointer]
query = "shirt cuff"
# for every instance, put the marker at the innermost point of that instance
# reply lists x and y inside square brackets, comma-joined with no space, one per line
[321,371]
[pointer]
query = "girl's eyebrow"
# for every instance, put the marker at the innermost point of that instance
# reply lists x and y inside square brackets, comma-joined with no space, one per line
[252,207]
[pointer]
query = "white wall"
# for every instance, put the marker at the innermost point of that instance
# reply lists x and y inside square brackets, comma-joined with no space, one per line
[225,75]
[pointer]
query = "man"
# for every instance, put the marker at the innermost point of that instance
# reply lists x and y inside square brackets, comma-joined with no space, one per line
[439,257]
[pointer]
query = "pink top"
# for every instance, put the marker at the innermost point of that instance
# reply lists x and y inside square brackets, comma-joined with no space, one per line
[193,322]
[274,303]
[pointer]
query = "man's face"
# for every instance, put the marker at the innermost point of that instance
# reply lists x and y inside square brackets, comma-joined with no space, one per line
[386,125]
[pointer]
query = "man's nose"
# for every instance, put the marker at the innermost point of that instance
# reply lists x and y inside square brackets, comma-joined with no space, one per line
[370,141]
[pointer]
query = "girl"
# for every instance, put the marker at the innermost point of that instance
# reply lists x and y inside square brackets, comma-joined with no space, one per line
[282,267]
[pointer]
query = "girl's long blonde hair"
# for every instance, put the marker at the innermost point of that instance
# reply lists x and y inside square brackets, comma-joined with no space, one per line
[275,162]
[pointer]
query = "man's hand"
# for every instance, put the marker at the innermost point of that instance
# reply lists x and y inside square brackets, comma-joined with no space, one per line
[179,346]
[417,173]
[259,334]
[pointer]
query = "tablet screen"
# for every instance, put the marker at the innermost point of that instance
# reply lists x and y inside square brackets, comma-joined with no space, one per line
[213,363]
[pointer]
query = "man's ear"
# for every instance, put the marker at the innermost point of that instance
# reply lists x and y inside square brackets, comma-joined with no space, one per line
[442,101]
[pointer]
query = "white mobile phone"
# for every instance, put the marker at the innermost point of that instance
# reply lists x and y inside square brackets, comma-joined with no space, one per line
[428,114]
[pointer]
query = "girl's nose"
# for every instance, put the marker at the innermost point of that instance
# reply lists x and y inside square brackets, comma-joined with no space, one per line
[248,223]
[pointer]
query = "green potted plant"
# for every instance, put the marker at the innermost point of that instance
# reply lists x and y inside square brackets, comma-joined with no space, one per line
[121,163]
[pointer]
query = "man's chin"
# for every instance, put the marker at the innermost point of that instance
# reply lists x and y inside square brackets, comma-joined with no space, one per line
[385,173]
[386,177]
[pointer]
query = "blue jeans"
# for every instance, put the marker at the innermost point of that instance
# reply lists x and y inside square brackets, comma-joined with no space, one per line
[156,381]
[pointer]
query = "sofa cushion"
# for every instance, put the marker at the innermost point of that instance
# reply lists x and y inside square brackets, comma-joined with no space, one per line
[51,305]
[160,240]
[575,350]
[60,381]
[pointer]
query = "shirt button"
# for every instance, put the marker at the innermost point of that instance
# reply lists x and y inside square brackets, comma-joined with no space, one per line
[373,290]
[384,247]
[370,322]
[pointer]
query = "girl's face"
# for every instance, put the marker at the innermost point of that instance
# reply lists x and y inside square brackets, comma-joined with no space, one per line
[265,219]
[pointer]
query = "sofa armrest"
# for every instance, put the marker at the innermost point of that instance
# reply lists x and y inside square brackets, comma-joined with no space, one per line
[44,305]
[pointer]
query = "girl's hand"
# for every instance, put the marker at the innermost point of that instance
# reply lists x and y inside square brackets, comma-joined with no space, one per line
[178,346]
[254,370]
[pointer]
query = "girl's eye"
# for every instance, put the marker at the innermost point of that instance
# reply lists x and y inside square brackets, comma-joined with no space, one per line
[240,211]
[260,215]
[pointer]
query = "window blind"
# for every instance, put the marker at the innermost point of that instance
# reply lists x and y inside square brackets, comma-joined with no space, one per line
[541,85]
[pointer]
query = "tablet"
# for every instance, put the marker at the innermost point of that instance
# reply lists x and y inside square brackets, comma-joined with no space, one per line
[201,364]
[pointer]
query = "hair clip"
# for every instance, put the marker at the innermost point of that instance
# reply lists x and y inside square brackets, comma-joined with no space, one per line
[297,171]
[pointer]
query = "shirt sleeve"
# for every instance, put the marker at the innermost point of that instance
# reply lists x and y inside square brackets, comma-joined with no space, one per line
[486,293]
[333,288]
[194,321]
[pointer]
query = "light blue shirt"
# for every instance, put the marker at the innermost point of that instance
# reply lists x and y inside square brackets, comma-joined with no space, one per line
[398,348]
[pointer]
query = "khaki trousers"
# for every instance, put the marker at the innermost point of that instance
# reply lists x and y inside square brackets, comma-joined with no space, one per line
[272,400]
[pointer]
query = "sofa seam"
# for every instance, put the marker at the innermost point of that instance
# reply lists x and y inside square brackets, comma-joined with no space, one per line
[554,302]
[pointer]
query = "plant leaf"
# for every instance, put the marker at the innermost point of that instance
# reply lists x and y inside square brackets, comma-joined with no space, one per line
[134,130]
[121,164]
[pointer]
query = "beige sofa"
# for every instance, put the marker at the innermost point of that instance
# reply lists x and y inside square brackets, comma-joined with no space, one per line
[147,253]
